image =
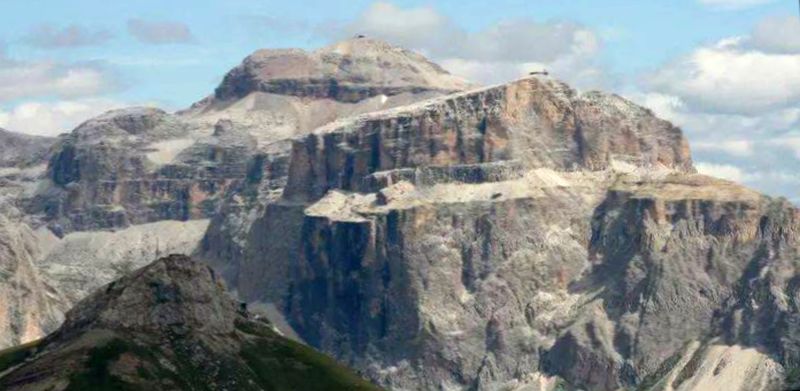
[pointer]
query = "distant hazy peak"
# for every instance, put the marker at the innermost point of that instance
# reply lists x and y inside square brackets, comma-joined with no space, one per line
[22,149]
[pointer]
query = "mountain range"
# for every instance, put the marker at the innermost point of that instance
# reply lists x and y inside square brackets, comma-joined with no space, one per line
[429,233]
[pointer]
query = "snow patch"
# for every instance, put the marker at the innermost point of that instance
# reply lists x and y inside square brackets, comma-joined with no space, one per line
[166,151]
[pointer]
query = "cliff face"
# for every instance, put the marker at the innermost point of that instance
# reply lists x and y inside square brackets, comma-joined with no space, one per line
[276,95]
[137,166]
[169,326]
[536,123]
[524,234]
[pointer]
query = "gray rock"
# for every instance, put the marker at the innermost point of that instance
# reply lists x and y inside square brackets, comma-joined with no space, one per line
[349,71]
[17,149]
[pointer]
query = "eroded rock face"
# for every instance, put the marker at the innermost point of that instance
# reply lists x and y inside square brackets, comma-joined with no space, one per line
[539,123]
[481,240]
[276,95]
[137,166]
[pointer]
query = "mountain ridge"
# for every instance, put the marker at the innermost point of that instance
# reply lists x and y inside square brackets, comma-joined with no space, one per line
[504,237]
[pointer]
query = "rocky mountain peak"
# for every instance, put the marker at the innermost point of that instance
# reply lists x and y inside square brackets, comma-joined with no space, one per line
[348,71]
[173,294]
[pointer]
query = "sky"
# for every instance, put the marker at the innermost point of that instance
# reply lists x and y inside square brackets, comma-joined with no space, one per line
[726,71]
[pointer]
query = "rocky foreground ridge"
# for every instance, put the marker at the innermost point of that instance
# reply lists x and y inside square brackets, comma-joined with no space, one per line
[436,236]
[169,326]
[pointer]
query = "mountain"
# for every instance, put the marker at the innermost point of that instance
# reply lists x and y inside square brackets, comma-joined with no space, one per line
[526,235]
[280,93]
[167,326]
[18,149]
[431,234]
[130,185]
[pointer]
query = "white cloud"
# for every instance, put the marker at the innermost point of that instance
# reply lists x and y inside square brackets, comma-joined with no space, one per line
[738,102]
[735,4]
[727,78]
[53,118]
[51,37]
[777,35]
[724,171]
[26,79]
[159,32]
[501,52]
[787,143]
[740,148]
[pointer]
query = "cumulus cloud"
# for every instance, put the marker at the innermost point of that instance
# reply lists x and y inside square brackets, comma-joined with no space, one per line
[741,148]
[729,78]
[159,32]
[734,4]
[738,101]
[51,37]
[779,34]
[26,79]
[500,52]
[53,118]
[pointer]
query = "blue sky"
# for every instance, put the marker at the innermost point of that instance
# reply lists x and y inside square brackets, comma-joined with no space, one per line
[727,71]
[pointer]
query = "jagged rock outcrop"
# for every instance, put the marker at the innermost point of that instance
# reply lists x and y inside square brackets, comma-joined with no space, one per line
[169,326]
